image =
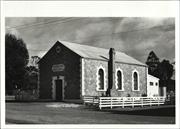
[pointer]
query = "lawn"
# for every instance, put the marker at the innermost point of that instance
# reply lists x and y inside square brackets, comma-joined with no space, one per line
[62,113]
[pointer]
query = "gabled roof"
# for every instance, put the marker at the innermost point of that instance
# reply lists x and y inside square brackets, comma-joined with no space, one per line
[86,51]
[151,76]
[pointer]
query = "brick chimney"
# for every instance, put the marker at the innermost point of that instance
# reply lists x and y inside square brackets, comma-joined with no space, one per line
[111,71]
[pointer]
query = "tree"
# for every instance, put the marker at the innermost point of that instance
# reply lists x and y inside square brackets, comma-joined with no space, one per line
[152,62]
[16,59]
[33,71]
[164,72]
[34,61]
[32,80]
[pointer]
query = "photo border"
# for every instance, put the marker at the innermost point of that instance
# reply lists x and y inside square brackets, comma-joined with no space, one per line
[89,9]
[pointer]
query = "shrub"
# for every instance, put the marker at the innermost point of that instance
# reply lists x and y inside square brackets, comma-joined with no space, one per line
[26,95]
[144,95]
[128,95]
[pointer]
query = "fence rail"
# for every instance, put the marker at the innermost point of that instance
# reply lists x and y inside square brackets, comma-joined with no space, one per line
[91,99]
[123,101]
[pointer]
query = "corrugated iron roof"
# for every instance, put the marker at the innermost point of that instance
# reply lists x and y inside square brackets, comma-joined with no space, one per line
[86,51]
[149,75]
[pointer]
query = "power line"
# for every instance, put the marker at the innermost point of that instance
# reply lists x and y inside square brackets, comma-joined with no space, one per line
[35,23]
[31,25]
[40,23]
[65,20]
[27,24]
[98,36]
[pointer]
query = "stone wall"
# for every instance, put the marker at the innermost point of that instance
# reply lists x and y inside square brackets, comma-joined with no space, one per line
[127,73]
[90,78]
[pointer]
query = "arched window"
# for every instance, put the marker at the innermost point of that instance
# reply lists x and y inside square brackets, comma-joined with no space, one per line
[119,80]
[101,79]
[135,81]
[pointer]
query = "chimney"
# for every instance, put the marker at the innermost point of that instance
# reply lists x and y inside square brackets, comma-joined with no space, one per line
[111,71]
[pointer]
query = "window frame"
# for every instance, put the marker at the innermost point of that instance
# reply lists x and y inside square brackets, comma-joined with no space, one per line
[137,80]
[97,79]
[151,83]
[156,84]
[122,79]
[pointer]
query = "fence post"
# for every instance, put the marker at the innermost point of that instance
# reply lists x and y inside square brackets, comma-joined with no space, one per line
[164,99]
[158,100]
[133,103]
[123,103]
[100,103]
[150,102]
[111,102]
[141,102]
[84,100]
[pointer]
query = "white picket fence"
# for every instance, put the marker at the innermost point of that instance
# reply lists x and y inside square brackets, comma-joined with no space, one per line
[123,101]
[91,99]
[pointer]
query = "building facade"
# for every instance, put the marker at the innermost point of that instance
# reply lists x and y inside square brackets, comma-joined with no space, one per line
[71,71]
[152,86]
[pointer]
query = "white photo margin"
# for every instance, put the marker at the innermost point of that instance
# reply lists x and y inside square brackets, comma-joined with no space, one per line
[84,9]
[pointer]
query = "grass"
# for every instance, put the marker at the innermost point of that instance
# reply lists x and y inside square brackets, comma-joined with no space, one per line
[47,113]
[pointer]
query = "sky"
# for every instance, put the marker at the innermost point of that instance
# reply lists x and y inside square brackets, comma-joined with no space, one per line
[135,36]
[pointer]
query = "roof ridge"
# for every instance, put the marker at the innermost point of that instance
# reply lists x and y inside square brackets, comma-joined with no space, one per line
[93,52]
[61,41]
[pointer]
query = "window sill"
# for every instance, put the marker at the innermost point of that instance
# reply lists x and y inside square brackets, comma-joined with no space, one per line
[100,90]
[120,90]
[135,90]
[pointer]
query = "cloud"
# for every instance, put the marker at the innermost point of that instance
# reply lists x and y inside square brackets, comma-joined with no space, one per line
[134,36]
[145,45]
[128,24]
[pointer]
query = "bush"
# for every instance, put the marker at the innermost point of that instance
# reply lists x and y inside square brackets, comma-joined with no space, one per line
[128,95]
[170,98]
[26,95]
[144,95]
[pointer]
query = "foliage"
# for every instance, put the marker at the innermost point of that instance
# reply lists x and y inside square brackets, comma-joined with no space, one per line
[34,60]
[128,95]
[144,95]
[152,62]
[163,70]
[16,59]
[32,80]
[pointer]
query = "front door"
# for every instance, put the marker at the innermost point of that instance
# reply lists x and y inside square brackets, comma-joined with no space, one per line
[59,89]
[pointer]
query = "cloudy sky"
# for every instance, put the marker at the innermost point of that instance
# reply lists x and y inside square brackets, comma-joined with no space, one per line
[136,36]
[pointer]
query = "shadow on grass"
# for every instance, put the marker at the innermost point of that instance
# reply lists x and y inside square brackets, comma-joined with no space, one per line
[13,121]
[154,111]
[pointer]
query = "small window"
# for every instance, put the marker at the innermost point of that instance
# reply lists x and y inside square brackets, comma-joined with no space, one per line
[58,49]
[151,83]
[101,79]
[119,80]
[156,84]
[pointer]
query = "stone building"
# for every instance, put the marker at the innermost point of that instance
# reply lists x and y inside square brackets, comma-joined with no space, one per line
[70,71]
